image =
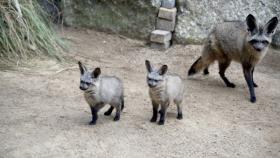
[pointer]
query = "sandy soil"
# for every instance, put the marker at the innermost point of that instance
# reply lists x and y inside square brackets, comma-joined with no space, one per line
[43,112]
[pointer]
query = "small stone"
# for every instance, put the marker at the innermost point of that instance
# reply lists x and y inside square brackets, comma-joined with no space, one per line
[160,46]
[168,14]
[166,25]
[168,3]
[160,36]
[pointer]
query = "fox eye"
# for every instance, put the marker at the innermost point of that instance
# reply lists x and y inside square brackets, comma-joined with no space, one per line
[152,80]
[87,83]
[257,41]
[254,41]
[265,42]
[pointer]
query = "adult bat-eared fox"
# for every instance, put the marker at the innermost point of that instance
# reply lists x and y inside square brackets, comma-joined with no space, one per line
[245,42]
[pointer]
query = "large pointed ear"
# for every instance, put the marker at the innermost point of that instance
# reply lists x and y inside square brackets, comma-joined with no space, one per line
[251,24]
[270,26]
[163,69]
[96,72]
[83,69]
[148,66]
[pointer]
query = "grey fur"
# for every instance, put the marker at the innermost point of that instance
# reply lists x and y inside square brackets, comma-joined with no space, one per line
[163,90]
[245,42]
[101,90]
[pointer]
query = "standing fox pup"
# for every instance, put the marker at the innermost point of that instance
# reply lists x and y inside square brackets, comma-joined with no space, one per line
[244,42]
[164,89]
[101,90]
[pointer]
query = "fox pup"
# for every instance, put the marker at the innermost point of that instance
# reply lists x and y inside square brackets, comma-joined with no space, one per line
[245,42]
[101,90]
[164,89]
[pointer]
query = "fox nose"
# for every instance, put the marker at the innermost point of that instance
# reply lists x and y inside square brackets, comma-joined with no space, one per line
[82,88]
[258,49]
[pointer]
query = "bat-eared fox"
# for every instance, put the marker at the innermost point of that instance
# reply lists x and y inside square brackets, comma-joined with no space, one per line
[163,90]
[245,42]
[101,90]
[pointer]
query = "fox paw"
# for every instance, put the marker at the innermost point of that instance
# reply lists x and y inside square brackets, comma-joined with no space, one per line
[180,116]
[231,85]
[117,118]
[253,99]
[161,122]
[92,122]
[153,119]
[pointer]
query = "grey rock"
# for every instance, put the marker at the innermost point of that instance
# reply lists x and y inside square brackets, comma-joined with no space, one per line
[160,46]
[276,39]
[168,4]
[168,14]
[196,18]
[163,24]
[160,36]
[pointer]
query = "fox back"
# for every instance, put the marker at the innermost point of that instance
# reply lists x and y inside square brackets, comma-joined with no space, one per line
[170,89]
[107,89]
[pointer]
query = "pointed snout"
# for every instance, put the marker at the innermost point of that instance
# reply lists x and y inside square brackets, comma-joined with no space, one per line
[259,46]
[83,88]
[258,49]
[151,85]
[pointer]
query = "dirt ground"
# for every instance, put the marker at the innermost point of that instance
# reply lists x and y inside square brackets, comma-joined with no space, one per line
[43,112]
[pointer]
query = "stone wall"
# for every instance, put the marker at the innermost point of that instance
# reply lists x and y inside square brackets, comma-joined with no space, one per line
[136,18]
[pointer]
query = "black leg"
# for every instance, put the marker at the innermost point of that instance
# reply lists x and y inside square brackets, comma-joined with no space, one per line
[118,113]
[255,85]
[247,70]
[155,112]
[180,116]
[122,101]
[222,69]
[206,71]
[180,113]
[162,115]
[94,115]
[109,111]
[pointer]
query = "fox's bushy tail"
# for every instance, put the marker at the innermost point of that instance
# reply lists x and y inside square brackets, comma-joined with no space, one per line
[202,62]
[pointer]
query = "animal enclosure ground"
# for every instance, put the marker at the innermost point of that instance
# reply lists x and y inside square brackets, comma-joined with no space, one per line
[43,112]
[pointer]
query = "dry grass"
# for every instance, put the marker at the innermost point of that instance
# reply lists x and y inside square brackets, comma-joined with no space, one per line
[26,32]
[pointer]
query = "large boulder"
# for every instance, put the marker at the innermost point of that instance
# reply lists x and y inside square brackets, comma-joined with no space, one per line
[195,18]
[134,18]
